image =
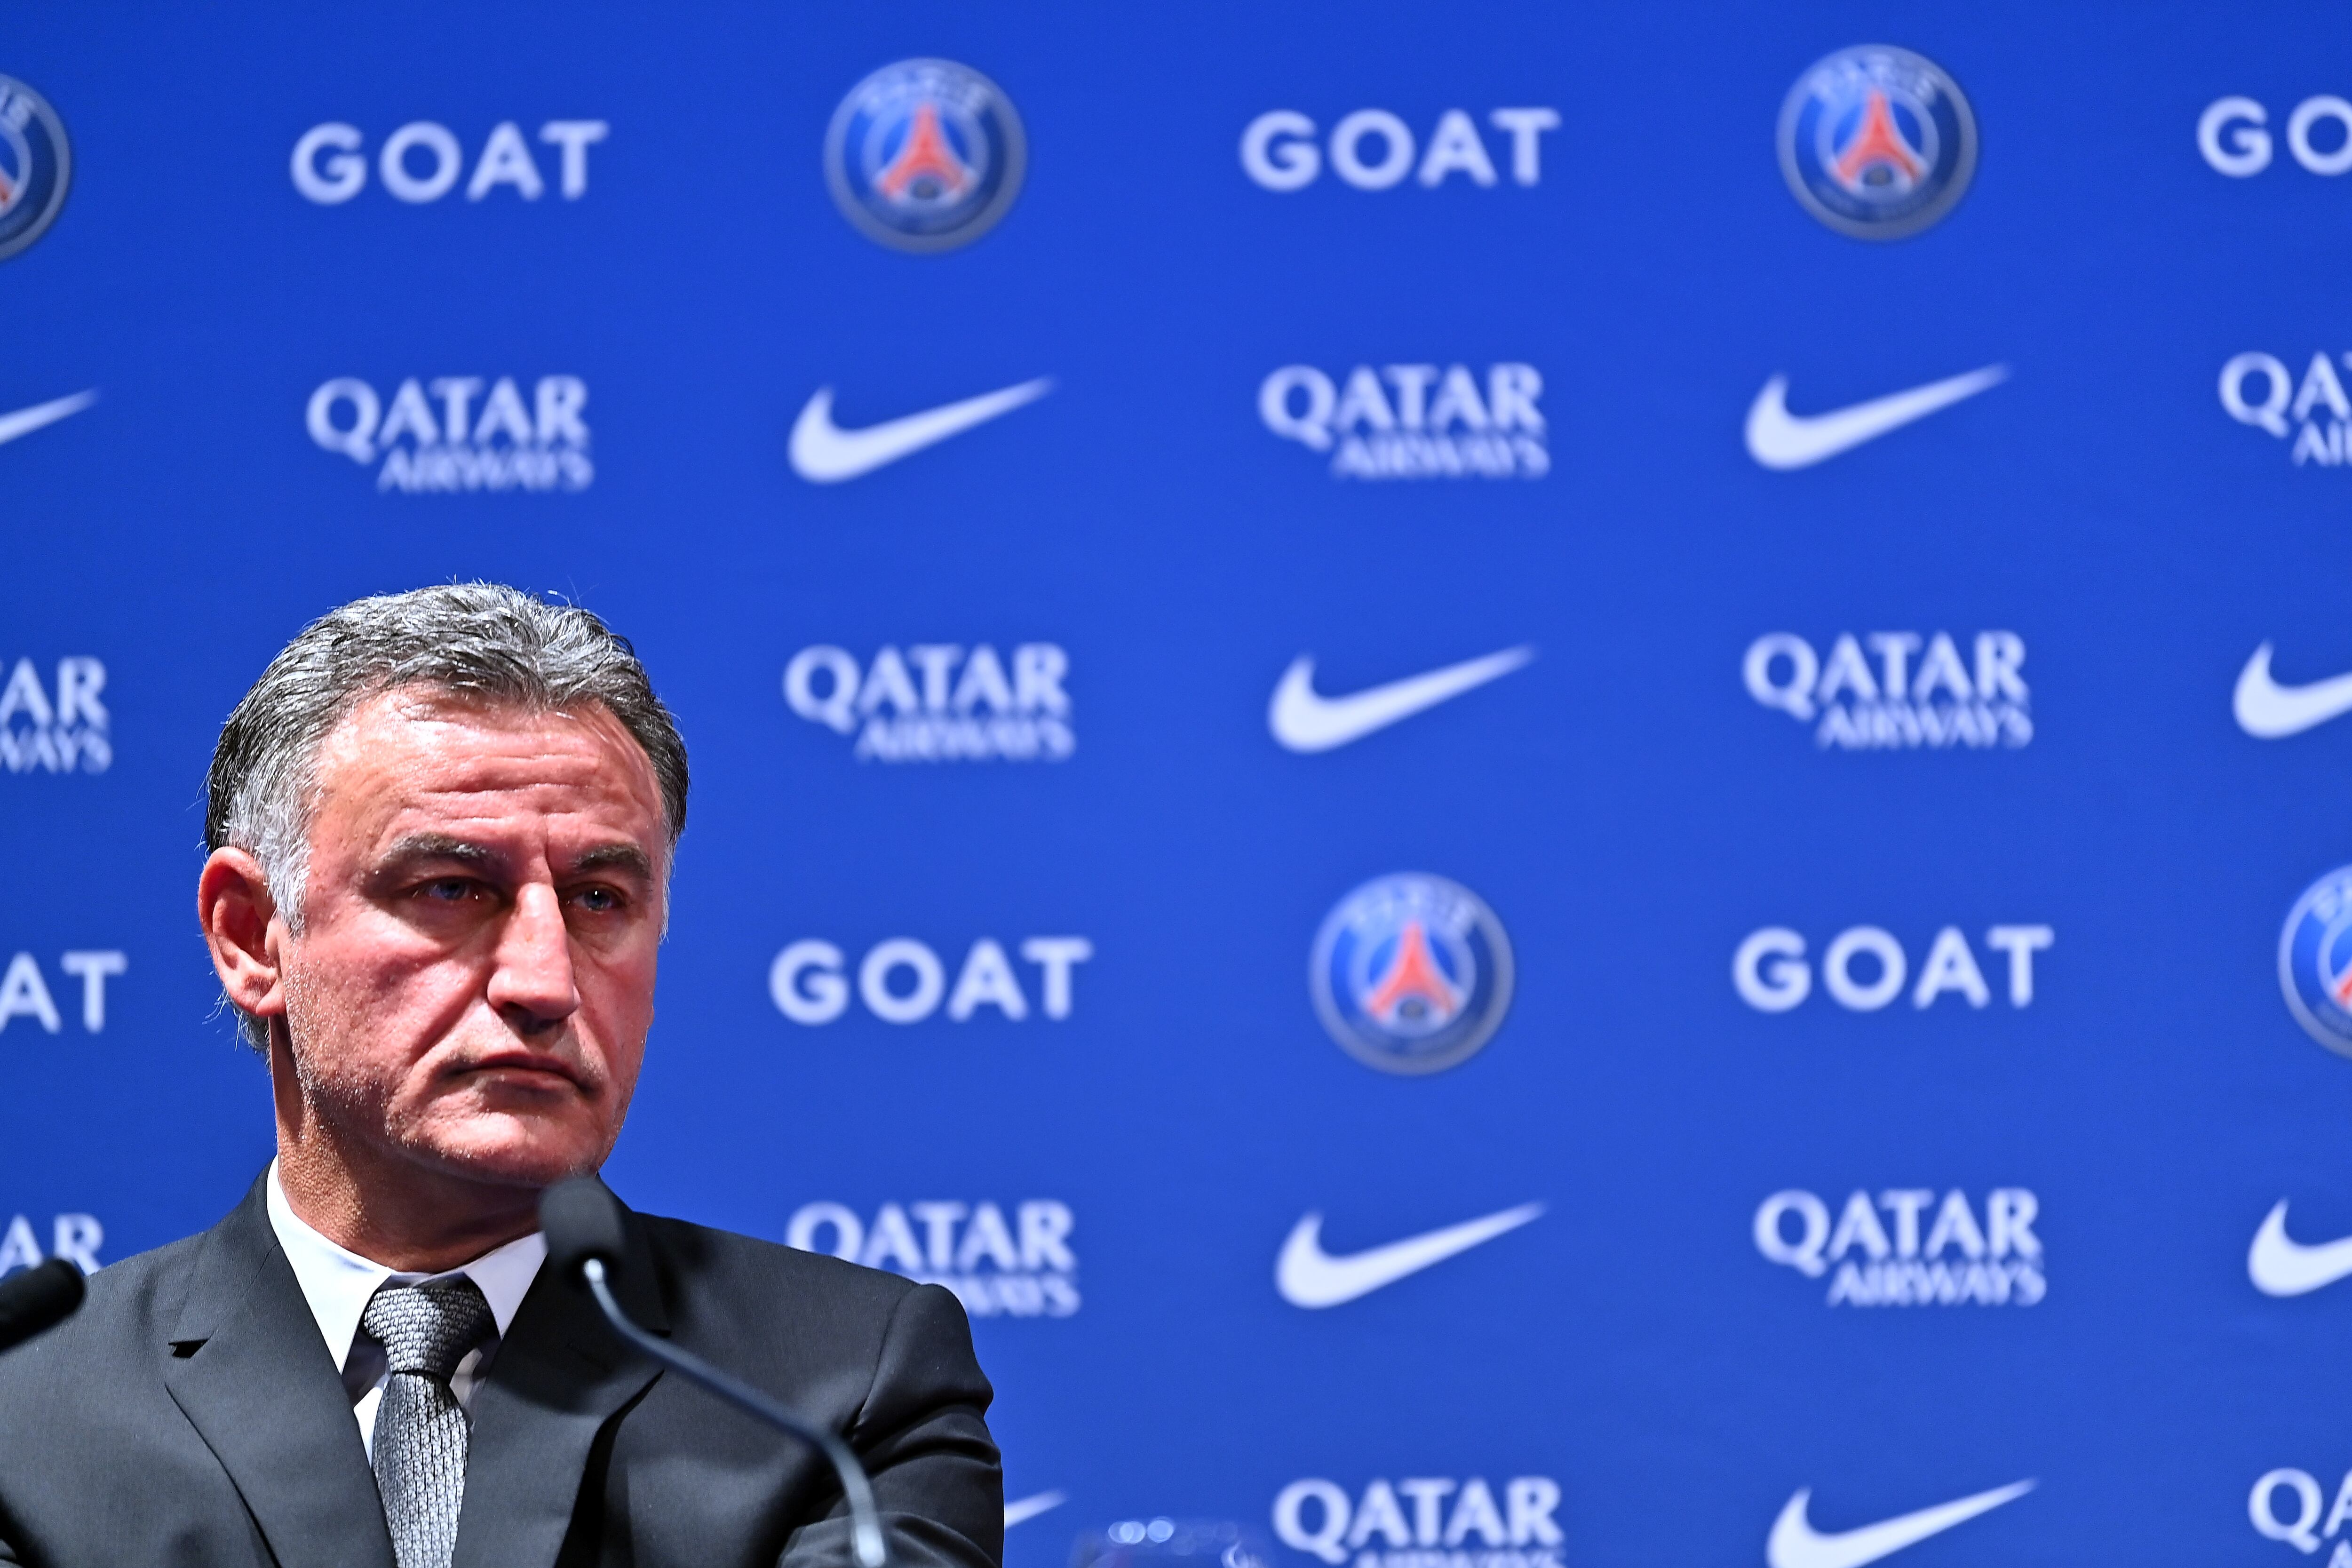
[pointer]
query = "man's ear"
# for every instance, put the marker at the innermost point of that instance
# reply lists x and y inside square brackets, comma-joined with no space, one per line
[240,918]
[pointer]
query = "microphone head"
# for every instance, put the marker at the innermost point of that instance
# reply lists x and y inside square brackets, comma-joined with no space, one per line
[581,1219]
[40,1297]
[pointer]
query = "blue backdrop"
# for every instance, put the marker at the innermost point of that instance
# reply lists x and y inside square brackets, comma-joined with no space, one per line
[1703,827]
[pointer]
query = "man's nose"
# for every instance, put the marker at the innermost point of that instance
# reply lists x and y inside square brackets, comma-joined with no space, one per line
[532,983]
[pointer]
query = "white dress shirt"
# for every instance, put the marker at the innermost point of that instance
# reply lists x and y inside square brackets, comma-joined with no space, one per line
[339,1284]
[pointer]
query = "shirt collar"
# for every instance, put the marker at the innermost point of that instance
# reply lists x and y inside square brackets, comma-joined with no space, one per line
[338,1283]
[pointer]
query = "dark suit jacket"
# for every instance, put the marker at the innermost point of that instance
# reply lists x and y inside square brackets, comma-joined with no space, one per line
[189,1414]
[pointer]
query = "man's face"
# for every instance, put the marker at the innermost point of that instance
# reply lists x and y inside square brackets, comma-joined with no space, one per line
[474,974]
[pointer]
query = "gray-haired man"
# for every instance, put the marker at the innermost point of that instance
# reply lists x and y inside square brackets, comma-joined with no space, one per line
[441,827]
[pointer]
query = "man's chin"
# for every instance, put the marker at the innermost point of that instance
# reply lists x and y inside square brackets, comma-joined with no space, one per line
[512,1150]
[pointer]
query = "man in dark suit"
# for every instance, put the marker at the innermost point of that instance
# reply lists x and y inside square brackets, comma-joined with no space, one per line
[442,825]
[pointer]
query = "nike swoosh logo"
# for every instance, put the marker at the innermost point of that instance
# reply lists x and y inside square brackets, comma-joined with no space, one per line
[1309,1276]
[1795,1543]
[2269,711]
[2280,1265]
[824,454]
[24,421]
[1304,722]
[1022,1509]
[1779,439]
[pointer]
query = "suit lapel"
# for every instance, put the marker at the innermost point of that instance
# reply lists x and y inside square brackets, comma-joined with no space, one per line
[246,1365]
[560,1376]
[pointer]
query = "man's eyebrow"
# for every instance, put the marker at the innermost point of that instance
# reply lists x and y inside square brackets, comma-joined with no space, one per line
[614,858]
[440,847]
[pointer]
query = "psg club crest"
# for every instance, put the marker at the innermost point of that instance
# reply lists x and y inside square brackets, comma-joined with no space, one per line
[1877,142]
[1411,973]
[2316,961]
[925,155]
[34,166]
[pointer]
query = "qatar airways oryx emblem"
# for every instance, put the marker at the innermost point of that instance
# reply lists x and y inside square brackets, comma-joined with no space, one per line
[2314,962]
[1877,142]
[925,155]
[1411,973]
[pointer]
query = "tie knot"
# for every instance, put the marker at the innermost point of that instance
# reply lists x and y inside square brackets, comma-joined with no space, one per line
[428,1327]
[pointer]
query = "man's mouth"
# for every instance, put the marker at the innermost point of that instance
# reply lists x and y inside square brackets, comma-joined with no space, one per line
[523,1065]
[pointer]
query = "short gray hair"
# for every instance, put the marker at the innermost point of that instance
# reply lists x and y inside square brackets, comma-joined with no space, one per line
[479,640]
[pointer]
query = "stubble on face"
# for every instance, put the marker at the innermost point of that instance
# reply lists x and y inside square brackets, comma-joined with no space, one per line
[470,997]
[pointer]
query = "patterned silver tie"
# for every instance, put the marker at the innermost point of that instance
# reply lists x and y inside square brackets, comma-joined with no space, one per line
[420,1428]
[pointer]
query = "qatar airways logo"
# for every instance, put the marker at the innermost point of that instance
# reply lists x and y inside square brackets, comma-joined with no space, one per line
[1412,421]
[938,702]
[56,728]
[472,434]
[1906,1250]
[2290,1506]
[76,1236]
[2259,390]
[1012,1266]
[1423,1521]
[1909,693]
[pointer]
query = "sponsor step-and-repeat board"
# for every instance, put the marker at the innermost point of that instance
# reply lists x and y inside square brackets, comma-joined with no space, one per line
[1558,785]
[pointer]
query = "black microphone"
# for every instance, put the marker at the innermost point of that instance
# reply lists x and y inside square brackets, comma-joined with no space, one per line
[39,1298]
[582,1220]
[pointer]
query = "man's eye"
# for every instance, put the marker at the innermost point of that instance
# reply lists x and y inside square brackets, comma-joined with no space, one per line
[447,889]
[598,900]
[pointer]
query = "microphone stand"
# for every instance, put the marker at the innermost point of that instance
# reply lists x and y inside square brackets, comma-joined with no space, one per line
[865,1523]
